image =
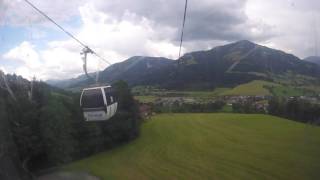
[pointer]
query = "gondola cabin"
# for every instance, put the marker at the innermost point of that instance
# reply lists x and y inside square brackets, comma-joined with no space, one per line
[98,103]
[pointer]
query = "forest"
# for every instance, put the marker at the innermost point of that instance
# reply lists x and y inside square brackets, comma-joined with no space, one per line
[295,109]
[43,127]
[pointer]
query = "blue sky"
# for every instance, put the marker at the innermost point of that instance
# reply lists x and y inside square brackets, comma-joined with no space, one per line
[32,46]
[11,35]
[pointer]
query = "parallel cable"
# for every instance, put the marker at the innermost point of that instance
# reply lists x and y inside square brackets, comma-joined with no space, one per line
[183,23]
[65,31]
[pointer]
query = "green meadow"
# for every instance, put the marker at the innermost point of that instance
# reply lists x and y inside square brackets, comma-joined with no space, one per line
[212,146]
[252,88]
[146,99]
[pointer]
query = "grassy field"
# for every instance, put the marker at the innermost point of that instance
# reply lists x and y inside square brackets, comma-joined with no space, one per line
[212,146]
[203,94]
[258,87]
[255,87]
[284,91]
[152,94]
[145,99]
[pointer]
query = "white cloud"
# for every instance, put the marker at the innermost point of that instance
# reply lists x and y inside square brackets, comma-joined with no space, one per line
[25,72]
[120,29]
[3,69]
[163,49]
[127,37]
[50,63]
[293,21]
[26,59]
[25,54]
[114,40]
[19,13]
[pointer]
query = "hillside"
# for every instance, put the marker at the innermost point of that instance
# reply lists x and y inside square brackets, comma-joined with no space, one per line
[44,127]
[222,66]
[313,59]
[133,70]
[252,88]
[212,146]
[234,64]
[66,83]
[258,88]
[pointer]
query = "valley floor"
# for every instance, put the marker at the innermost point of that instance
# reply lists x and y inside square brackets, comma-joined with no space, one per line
[212,146]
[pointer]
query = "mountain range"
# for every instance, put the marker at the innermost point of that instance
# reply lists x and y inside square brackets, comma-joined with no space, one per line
[313,59]
[222,66]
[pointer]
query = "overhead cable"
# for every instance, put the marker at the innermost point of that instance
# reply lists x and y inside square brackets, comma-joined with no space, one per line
[65,31]
[183,23]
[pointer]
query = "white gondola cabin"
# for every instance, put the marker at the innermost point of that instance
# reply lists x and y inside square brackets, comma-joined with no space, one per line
[98,103]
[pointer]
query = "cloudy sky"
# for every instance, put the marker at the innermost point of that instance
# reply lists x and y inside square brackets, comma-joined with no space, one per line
[117,29]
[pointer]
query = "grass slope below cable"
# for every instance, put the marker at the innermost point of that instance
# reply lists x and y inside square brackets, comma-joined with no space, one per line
[252,88]
[259,87]
[213,146]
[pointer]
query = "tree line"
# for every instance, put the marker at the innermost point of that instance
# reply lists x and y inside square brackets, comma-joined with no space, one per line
[296,109]
[293,108]
[182,107]
[49,129]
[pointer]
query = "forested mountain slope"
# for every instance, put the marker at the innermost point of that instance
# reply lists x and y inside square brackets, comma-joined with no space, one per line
[47,127]
[222,66]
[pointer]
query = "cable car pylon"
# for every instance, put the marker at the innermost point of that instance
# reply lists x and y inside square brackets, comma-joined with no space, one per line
[85,51]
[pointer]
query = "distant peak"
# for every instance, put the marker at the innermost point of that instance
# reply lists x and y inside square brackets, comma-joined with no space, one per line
[145,57]
[244,42]
[137,57]
[313,57]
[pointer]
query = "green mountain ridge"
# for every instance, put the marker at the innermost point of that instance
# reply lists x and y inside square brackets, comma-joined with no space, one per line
[222,66]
